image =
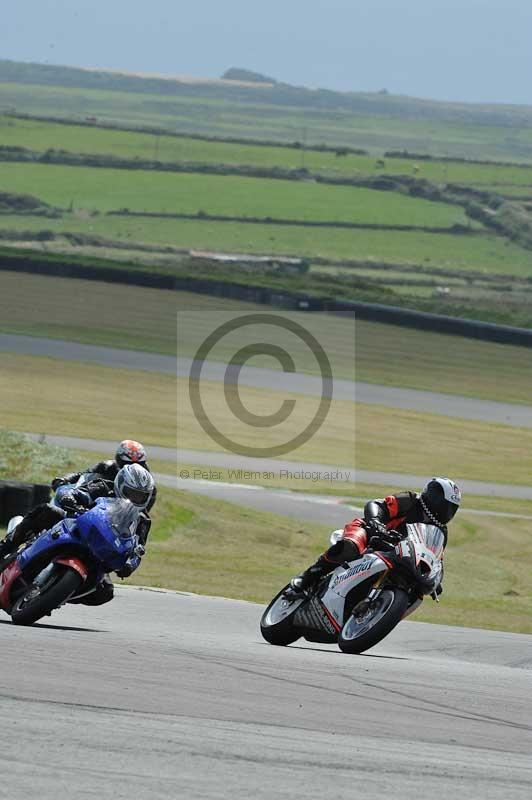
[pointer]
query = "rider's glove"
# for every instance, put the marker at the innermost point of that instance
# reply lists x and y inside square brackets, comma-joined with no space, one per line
[376,527]
[436,593]
[132,563]
[74,501]
[57,482]
[394,537]
[143,528]
[380,537]
[99,487]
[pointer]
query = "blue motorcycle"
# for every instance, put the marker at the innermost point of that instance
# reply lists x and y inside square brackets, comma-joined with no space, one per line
[68,561]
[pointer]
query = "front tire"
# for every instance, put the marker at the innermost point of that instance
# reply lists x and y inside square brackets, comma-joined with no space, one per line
[38,602]
[368,626]
[276,624]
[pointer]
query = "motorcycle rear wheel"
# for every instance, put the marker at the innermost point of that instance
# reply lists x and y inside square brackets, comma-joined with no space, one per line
[276,624]
[36,603]
[368,626]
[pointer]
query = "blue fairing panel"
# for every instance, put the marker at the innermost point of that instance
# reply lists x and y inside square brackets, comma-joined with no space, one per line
[45,542]
[106,531]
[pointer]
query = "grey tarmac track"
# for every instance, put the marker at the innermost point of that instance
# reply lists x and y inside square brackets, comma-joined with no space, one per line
[372,394]
[322,509]
[164,695]
[328,510]
[279,467]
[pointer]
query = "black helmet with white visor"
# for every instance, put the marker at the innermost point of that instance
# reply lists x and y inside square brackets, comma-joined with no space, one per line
[440,499]
[134,483]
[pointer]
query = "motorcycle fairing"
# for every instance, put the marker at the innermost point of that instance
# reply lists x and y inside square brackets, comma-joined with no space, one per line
[107,531]
[314,616]
[75,564]
[428,538]
[344,579]
[58,536]
[7,578]
[423,549]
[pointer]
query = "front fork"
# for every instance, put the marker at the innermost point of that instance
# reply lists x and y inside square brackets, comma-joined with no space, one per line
[375,590]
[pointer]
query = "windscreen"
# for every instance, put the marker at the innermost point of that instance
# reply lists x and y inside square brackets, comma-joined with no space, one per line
[86,477]
[123,516]
[431,535]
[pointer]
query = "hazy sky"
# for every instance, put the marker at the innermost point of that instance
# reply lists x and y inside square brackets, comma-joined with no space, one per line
[475,50]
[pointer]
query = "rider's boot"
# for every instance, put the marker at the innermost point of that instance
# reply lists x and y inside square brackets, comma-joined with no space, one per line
[10,543]
[309,578]
[337,554]
[6,547]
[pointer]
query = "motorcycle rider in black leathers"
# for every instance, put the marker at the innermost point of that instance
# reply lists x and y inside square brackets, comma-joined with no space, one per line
[128,452]
[383,524]
[132,483]
[99,483]
[44,516]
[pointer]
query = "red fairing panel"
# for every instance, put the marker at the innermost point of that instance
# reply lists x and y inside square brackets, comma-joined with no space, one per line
[74,563]
[7,577]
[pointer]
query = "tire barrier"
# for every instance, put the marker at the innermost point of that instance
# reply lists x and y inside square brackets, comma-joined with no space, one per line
[279,298]
[19,498]
[439,323]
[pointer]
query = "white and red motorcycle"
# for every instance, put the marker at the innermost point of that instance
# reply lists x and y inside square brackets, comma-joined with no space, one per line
[359,603]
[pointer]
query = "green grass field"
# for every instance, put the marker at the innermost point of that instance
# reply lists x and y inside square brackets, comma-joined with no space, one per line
[108,189]
[192,534]
[43,395]
[85,311]
[513,191]
[364,435]
[53,396]
[487,253]
[212,115]
[30,460]
[41,136]
[86,193]
[355,494]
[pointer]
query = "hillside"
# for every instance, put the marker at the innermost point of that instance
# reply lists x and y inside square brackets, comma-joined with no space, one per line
[374,121]
[451,236]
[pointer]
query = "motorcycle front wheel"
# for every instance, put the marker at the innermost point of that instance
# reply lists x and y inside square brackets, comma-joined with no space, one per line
[276,624]
[369,624]
[38,601]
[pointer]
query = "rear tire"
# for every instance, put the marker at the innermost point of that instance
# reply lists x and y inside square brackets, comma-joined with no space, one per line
[276,624]
[28,609]
[366,630]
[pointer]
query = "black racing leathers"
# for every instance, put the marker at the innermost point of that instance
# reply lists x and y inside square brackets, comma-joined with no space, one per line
[392,512]
[103,469]
[46,515]
[396,511]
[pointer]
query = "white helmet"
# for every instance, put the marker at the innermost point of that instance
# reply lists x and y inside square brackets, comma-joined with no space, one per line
[440,499]
[134,483]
